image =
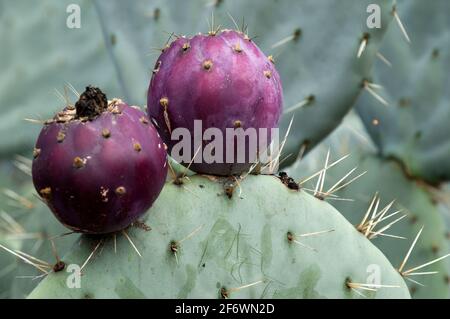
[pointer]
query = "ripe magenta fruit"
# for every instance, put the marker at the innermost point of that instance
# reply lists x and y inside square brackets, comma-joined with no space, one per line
[222,79]
[99,165]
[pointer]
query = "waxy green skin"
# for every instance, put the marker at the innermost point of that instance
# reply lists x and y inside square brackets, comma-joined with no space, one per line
[388,179]
[228,243]
[414,128]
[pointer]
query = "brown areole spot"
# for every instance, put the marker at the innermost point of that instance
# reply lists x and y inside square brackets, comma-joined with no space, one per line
[207,65]
[36,152]
[186,46]
[237,48]
[297,34]
[435,53]
[156,14]
[141,225]
[229,187]
[164,102]
[46,193]
[347,283]
[59,266]
[156,69]
[120,191]
[106,133]
[365,37]
[137,147]
[224,294]
[435,249]
[173,247]
[143,120]
[60,137]
[289,236]
[404,102]
[268,74]
[78,162]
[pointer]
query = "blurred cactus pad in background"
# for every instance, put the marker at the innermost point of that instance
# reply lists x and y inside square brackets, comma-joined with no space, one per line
[363,179]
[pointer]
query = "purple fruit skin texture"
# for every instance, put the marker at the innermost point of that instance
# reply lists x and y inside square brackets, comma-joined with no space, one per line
[85,199]
[241,85]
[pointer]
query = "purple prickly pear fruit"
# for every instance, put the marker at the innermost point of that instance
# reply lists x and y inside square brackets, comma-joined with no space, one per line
[99,165]
[225,81]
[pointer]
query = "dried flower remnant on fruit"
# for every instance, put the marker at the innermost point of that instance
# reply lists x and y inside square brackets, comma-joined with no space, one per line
[91,103]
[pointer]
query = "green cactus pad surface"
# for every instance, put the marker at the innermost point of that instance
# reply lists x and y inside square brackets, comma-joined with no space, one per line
[388,179]
[414,128]
[204,244]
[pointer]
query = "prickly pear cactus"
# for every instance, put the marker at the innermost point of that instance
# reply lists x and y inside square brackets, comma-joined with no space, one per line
[244,245]
[414,128]
[315,50]
[386,178]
